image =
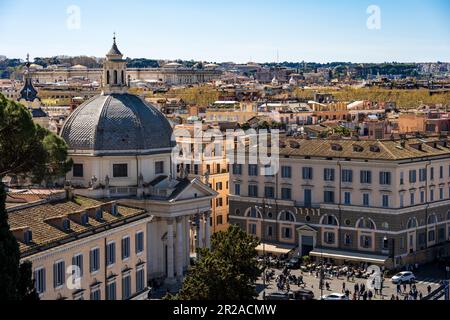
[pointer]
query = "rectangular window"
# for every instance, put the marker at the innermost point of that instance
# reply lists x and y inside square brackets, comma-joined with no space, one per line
[431,195]
[195,168]
[402,200]
[308,198]
[286,172]
[287,233]
[269,192]
[441,193]
[237,169]
[366,199]
[159,167]
[219,186]
[219,202]
[78,170]
[110,253]
[125,248]
[385,201]
[365,177]
[253,170]
[219,220]
[385,178]
[139,242]
[126,287]
[252,228]
[347,175]
[402,178]
[431,235]
[431,173]
[111,291]
[237,189]
[347,198]
[328,196]
[412,198]
[269,231]
[39,280]
[366,241]
[77,263]
[422,197]
[412,176]
[422,174]
[140,280]
[307,173]
[329,237]
[441,172]
[59,272]
[94,259]
[328,174]
[252,190]
[95,294]
[347,239]
[120,170]
[286,193]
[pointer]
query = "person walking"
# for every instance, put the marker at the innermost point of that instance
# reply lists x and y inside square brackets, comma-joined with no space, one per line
[399,290]
[343,287]
[429,289]
[370,295]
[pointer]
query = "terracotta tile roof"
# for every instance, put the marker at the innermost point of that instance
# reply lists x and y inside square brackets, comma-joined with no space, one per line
[365,149]
[40,220]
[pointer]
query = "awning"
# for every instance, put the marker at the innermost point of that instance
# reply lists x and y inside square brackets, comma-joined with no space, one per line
[274,248]
[350,256]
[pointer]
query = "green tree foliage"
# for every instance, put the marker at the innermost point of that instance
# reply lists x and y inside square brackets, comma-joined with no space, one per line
[29,150]
[226,272]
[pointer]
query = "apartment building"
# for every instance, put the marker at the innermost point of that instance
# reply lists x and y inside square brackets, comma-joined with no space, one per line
[83,249]
[210,166]
[383,202]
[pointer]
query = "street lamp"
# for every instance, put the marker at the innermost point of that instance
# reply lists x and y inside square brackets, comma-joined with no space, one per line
[263,208]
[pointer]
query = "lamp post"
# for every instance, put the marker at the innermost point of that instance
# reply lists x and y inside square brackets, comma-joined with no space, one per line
[263,208]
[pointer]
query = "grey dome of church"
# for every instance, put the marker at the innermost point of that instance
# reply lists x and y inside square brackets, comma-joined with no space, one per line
[116,122]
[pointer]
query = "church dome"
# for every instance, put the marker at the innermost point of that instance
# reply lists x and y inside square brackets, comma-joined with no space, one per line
[117,124]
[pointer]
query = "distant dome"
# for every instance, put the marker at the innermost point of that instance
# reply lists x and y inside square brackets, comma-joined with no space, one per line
[173,65]
[78,67]
[117,124]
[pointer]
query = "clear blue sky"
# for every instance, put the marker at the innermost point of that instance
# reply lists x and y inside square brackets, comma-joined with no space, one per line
[232,30]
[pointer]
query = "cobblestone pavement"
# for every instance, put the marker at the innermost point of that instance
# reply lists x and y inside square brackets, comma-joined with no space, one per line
[429,275]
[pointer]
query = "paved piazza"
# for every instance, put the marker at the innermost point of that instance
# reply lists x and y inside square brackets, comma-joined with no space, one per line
[425,276]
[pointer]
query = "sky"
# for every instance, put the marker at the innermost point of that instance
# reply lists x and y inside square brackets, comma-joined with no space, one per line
[231,30]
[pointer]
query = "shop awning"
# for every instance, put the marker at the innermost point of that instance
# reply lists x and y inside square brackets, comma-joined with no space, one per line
[349,256]
[274,248]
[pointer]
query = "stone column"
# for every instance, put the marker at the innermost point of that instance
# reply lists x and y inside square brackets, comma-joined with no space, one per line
[179,261]
[188,240]
[170,256]
[200,228]
[208,230]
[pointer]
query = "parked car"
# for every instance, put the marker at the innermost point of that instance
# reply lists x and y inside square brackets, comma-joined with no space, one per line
[403,277]
[278,296]
[293,263]
[335,296]
[303,294]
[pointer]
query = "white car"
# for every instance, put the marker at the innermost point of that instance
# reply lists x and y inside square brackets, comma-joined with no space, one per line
[403,277]
[335,296]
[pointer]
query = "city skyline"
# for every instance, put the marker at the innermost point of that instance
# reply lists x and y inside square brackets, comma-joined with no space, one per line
[239,32]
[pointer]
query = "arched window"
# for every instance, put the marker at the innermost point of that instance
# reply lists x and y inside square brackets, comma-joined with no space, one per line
[432,219]
[364,223]
[253,213]
[115,76]
[412,223]
[107,77]
[122,78]
[330,220]
[287,216]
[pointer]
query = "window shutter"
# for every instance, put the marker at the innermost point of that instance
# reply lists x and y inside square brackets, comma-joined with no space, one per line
[55,275]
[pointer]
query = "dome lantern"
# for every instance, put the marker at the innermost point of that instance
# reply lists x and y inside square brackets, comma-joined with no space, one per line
[114,71]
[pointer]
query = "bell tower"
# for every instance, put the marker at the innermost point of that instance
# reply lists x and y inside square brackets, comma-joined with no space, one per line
[114,71]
